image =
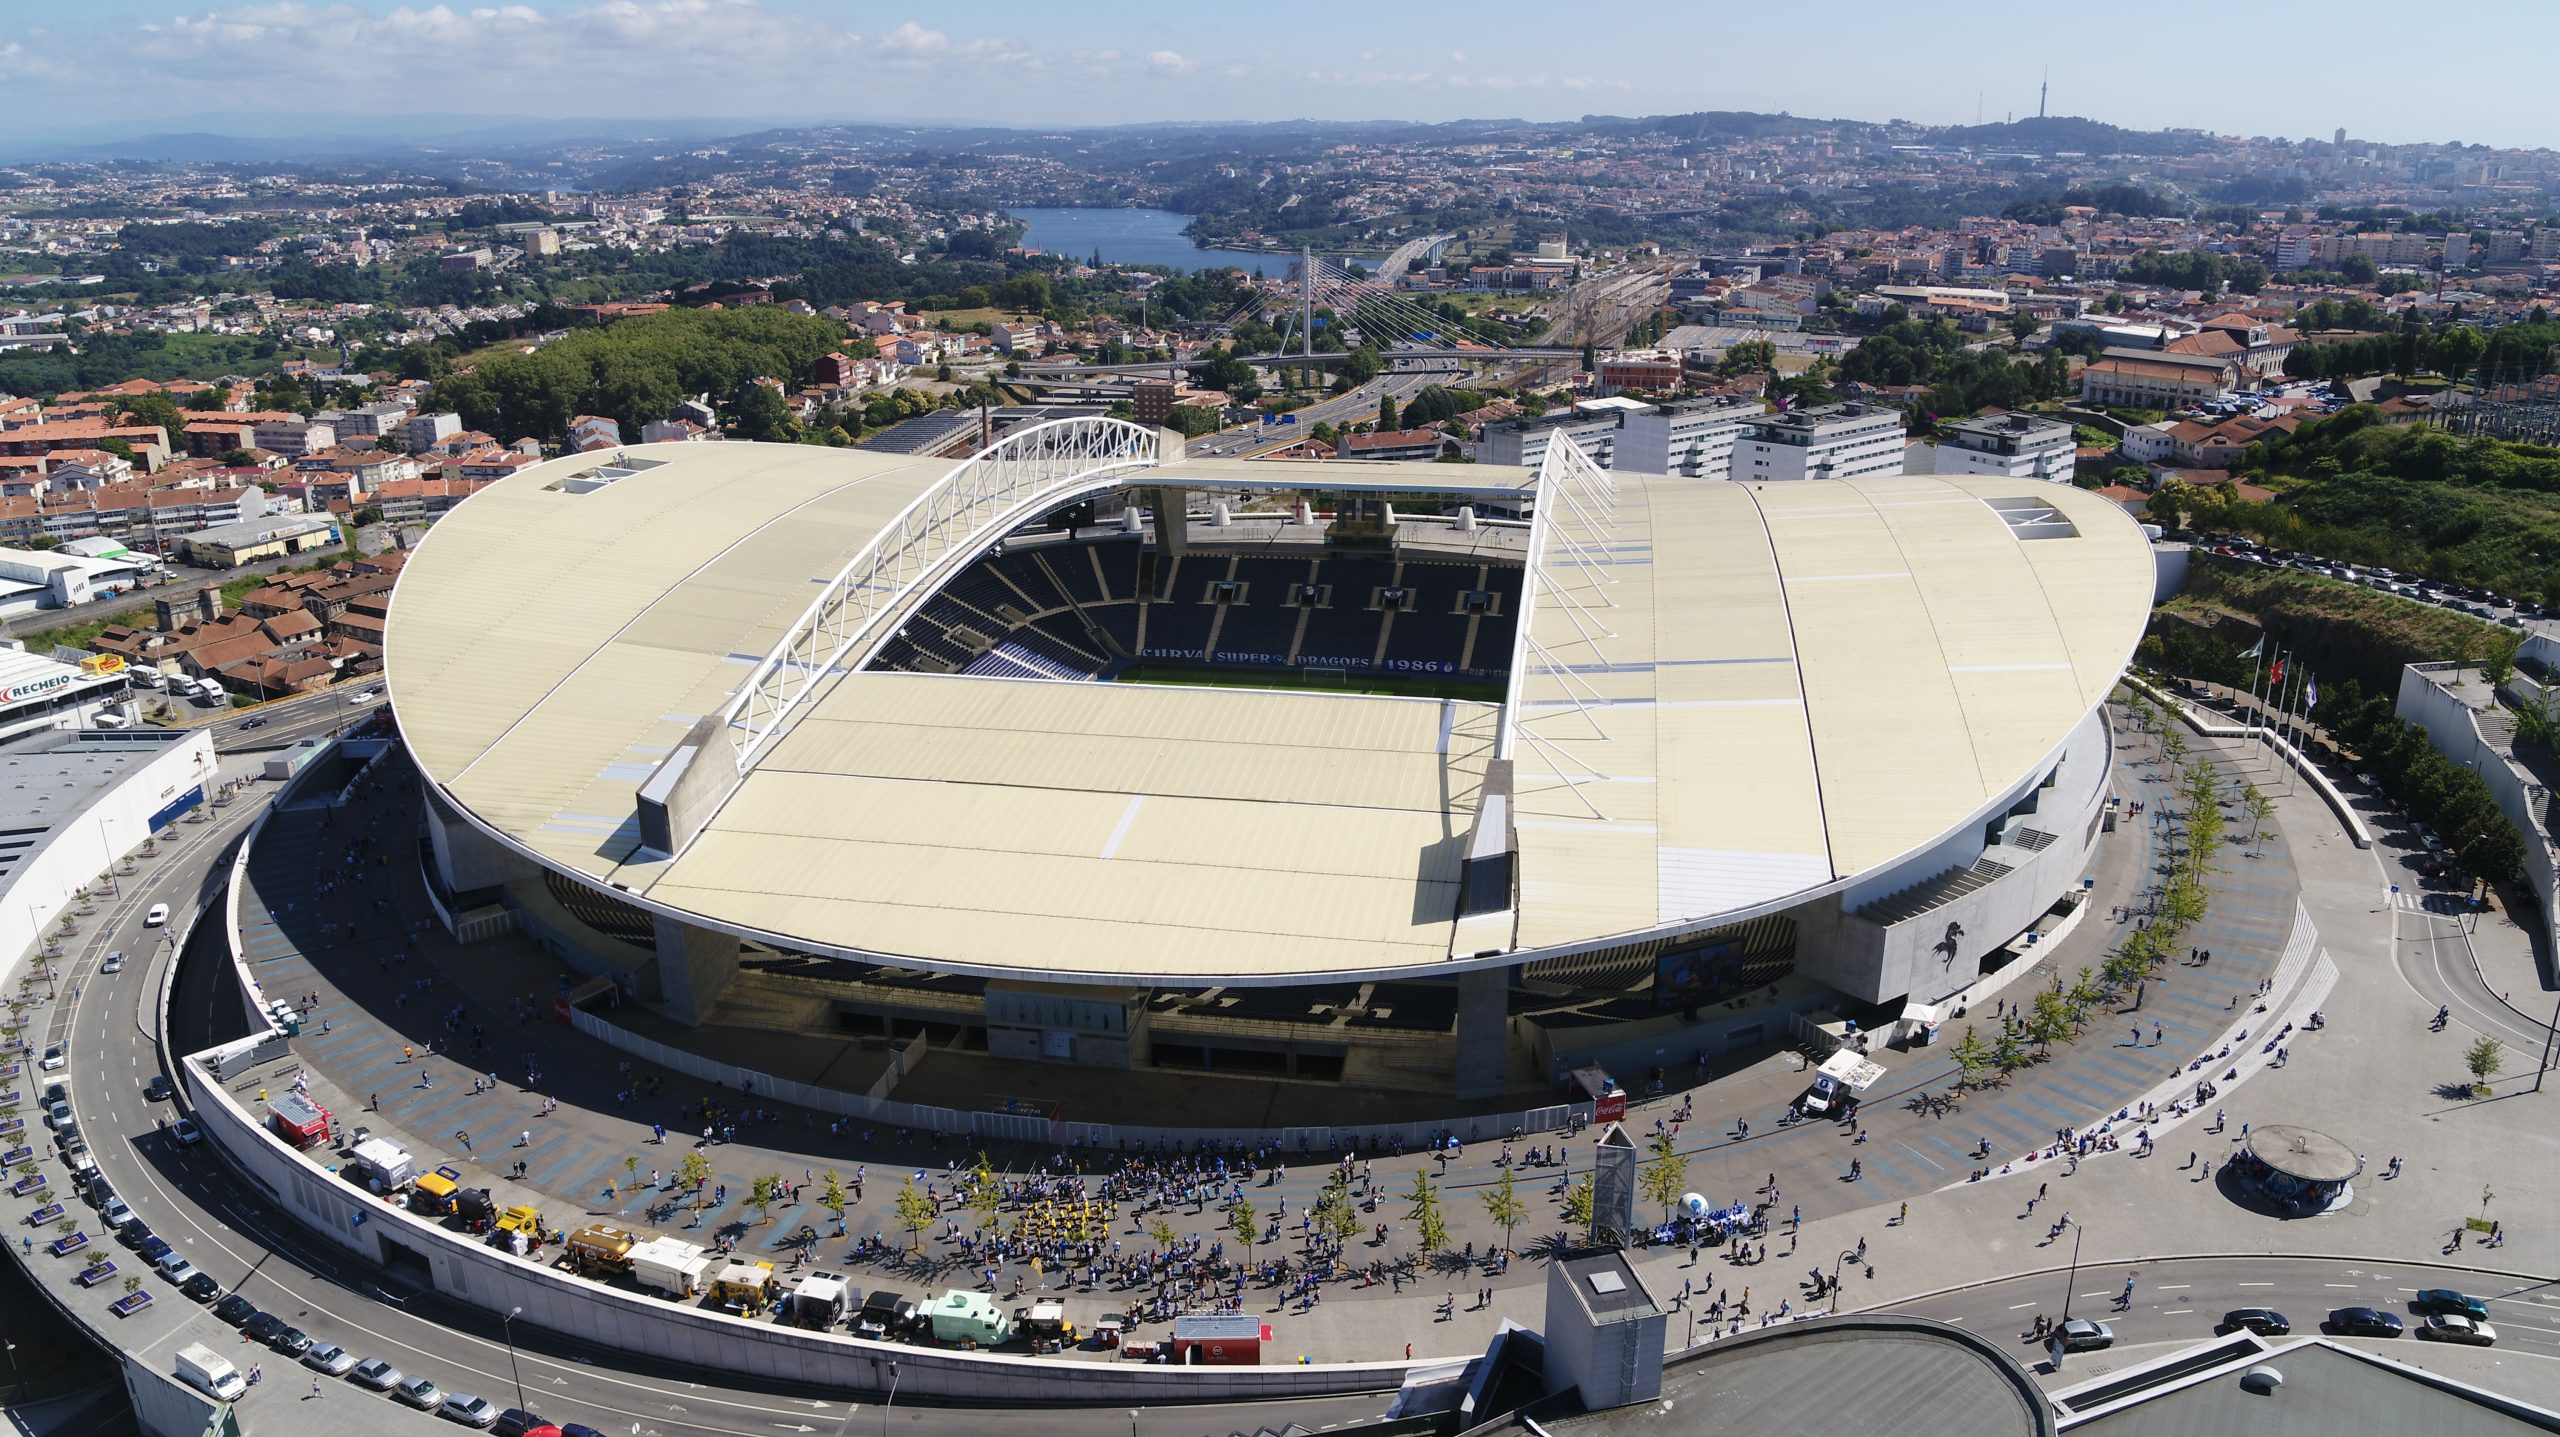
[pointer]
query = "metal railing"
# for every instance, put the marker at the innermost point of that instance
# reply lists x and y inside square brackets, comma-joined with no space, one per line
[987,492]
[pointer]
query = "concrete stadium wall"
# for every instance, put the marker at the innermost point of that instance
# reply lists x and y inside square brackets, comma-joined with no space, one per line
[2455,730]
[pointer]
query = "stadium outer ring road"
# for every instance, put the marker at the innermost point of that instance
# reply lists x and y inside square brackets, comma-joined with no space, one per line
[202,1206]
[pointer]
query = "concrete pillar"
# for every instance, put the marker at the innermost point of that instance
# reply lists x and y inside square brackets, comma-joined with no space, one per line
[694,969]
[1484,1032]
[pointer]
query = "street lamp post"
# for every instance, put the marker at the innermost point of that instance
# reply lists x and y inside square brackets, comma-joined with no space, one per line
[2074,1280]
[2550,1035]
[1845,1256]
[887,1407]
[507,1325]
[17,1384]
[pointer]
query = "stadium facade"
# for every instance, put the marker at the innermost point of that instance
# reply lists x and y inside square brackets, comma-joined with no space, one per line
[1081,751]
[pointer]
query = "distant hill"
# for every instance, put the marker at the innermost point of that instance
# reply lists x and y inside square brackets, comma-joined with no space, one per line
[2047,134]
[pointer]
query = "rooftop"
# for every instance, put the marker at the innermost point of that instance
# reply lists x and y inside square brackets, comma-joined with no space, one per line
[1886,658]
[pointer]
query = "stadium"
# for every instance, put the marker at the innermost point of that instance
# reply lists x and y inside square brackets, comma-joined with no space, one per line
[1442,779]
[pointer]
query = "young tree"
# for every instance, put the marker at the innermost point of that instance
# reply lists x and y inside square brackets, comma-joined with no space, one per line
[2007,1051]
[1503,1205]
[1335,1217]
[1244,1223]
[1666,1176]
[1577,1203]
[984,1194]
[762,1194]
[2486,1059]
[2259,806]
[916,1212]
[1161,1233]
[694,1171]
[1971,1055]
[831,1196]
[1430,1228]
[2049,1018]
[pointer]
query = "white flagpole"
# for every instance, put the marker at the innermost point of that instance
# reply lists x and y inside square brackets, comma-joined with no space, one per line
[2257,670]
[2284,714]
[2258,714]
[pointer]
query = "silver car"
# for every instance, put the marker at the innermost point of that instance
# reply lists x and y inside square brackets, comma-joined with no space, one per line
[468,1410]
[330,1358]
[418,1392]
[375,1373]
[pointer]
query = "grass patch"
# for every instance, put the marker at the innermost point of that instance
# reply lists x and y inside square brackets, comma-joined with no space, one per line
[1393,686]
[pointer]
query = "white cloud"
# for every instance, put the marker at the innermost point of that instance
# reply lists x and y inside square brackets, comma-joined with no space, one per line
[1169,62]
[1457,57]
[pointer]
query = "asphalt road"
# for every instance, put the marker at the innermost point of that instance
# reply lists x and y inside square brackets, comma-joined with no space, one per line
[2181,1301]
[190,1198]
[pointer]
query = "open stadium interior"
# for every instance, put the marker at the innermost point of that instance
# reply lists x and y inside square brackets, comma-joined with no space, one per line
[1407,779]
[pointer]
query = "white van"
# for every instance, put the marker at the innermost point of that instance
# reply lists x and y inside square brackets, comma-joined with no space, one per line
[112,721]
[211,1373]
[158,915]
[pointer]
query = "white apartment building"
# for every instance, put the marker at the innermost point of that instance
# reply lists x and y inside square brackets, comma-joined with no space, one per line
[2457,250]
[294,438]
[1693,439]
[2013,446]
[425,431]
[1832,441]
[1524,442]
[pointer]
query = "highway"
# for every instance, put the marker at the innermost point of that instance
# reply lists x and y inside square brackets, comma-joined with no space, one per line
[191,1198]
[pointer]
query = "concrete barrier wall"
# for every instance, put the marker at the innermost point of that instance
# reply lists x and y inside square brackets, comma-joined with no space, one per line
[652,1329]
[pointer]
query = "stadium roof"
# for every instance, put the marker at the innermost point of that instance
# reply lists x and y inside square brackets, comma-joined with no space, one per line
[1814,679]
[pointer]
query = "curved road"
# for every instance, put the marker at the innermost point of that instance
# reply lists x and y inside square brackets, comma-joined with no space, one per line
[189,1197]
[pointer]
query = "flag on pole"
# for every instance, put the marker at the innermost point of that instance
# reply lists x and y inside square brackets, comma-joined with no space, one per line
[2276,675]
[2311,694]
[2254,650]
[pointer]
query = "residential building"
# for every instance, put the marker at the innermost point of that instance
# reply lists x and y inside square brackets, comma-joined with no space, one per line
[1831,441]
[675,431]
[591,432]
[425,431]
[372,421]
[2014,446]
[228,546]
[293,436]
[1693,438]
[1523,442]
[2155,381]
[1152,399]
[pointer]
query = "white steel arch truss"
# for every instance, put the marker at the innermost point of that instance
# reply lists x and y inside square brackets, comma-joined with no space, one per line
[1577,502]
[989,492]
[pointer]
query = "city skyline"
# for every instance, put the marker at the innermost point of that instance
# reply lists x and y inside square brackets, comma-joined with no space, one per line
[1020,65]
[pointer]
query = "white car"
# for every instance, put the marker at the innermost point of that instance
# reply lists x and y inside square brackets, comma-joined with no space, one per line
[158,916]
[419,1392]
[115,1214]
[468,1410]
[2454,1327]
[330,1358]
[175,1268]
[114,963]
[53,1058]
[368,696]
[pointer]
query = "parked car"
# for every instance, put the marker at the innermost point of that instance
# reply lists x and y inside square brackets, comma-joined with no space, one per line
[54,1058]
[115,1214]
[2445,1299]
[262,1328]
[176,1269]
[200,1288]
[515,1422]
[375,1373]
[330,1358]
[2082,1335]
[2454,1327]
[291,1341]
[468,1410]
[2364,1322]
[152,1249]
[418,1392]
[2264,1321]
[235,1309]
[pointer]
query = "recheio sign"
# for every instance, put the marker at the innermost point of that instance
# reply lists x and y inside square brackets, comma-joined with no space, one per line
[33,688]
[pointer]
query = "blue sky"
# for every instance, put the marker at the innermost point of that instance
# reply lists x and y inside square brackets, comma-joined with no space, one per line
[2386,72]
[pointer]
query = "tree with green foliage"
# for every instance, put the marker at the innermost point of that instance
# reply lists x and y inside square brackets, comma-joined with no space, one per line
[1386,412]
[831,1196]
[1335,1217]
[1666,1175]
[1576,1211]
[2486,1058]
[1502,1204]
[1430,1226]
[1163,1235]
[1972,1057]
[915,1212]
[1244,1223]
[762,1193]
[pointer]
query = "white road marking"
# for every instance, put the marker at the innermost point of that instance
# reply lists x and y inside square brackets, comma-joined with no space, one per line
[2253,1284]
[2177,1312]
[2021,1307]
[2348,1285]
[2173,1287]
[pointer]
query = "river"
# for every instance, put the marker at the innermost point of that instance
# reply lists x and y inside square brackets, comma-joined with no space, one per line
[1133,236]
